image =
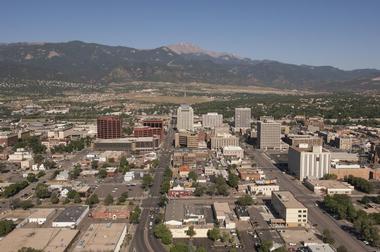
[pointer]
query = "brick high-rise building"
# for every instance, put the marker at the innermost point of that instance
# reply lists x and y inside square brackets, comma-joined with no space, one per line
[109,127]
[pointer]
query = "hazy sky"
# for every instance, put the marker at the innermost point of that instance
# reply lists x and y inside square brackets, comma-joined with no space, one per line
[341,33]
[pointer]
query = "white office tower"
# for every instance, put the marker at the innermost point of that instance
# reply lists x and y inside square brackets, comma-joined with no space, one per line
[185,118]
[308,161]
[268,135]
[212,120]
[242,118]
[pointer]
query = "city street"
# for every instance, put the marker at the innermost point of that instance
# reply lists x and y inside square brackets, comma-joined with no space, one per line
[306,197]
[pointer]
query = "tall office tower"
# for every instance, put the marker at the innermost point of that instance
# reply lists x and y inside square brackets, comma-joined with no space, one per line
[308,161]
[212,120]
[185,118]
[109,127]
[242,118]
[268,135]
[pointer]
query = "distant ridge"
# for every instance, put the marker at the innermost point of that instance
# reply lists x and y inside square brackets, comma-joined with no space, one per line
[184,62]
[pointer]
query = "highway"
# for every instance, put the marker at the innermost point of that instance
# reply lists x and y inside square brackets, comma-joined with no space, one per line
[309,199]
[143,239]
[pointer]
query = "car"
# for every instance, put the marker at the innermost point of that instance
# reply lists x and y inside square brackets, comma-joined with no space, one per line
[366,242]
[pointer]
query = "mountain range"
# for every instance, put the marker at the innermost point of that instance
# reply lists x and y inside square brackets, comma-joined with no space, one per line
[78,61]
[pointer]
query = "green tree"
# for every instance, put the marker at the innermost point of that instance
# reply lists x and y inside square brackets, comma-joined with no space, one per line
[245,200]
[327,237]
[330,176]
[72,194]
[193,176]
[42,191]
[54,198]
[31,178]
[77,199]
[40,174]
[266,246]
[179,247]
[162,232]
[213,234]
[108,200]
[190,232]
[123,197]
[199,191]
[94,164]
[92,200]
[147,181]
[201,249]
[135,215]
[29,249]
[102,173]
[341,248]
[6,226]
[233,180]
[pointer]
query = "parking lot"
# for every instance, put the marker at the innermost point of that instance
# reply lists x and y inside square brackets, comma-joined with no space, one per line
[116,190]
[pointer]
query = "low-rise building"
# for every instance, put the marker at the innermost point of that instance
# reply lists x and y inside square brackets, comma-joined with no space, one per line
[41,215]
[71,216]
[183,171]
[179,191]
[46,239]
[242,213]
[258,189]
[251,174]
[224,215]
[223,140]
[328,187]
[110,212]
[8,138]
[102,237]
[288,208]
[233,152]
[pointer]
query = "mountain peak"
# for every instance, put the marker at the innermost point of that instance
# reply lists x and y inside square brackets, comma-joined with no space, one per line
[189,48]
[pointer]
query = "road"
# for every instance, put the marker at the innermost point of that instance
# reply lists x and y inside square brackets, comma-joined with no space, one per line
[302,194]
[144,240]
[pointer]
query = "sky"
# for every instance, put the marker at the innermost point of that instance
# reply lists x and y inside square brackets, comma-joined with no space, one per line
[341,33]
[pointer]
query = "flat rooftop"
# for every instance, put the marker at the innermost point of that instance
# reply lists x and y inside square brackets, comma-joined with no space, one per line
[329,184]
[101,237]
[71,214]
[41,212]
[179,209]
[46,239]
[288,199]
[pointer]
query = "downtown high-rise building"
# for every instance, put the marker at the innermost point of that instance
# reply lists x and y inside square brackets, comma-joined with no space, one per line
[185,118]
[212,120]
[242,118]
[268,134]
[109,127]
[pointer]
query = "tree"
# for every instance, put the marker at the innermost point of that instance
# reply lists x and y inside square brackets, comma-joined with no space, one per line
[42,191]
[327,237]
[123,197]
[201,249]
[6,226]
[233,180]
[108,200]
[41,174]
[341,248]
[29,249]
[199,190]
[179,247]
[147,181]
[14,188]
[26,204]
[75,172]
[123,165]
[38,159]
[330,176]
[245,200]
[191,232]
[193,176]
[77,198]
[163,201]
[135,215]
[221,186]
[266,246]
[213,234]
[162,232]
[92,200]
[102,173]
[54,198]
[94,164]
[72,193]
[31,178]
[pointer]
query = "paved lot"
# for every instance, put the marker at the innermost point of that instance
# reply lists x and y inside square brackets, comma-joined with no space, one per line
[117,189]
